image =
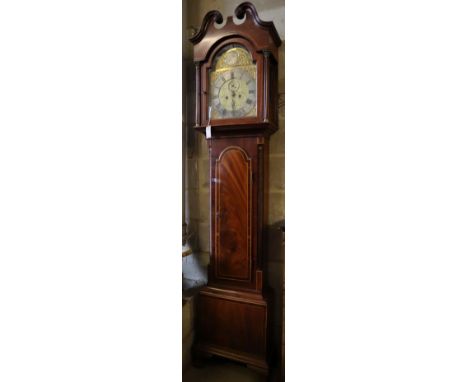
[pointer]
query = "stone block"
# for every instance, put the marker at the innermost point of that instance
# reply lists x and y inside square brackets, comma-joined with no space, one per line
[277,140]
[204,205]
[276,173]
[202,146]
[192,205]
[192,174]
[192,230]
[204,237]
[275,207]
[204,258]
[203,173]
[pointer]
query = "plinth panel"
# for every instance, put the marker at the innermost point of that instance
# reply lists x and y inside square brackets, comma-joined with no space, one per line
[237,324]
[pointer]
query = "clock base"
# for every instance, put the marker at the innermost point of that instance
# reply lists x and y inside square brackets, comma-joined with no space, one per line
[233,325]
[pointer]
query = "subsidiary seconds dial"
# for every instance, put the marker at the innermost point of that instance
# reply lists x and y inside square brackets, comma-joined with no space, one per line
[234,94]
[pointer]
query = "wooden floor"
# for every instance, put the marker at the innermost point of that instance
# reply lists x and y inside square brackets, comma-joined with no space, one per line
[221,370]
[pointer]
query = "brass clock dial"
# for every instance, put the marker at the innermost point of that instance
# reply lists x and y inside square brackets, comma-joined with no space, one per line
[234,94]
[233,85]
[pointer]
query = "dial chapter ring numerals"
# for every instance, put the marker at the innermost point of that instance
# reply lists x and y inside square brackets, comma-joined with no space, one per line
[233,93]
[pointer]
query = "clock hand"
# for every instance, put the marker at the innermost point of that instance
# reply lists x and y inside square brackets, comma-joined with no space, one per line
[233,100]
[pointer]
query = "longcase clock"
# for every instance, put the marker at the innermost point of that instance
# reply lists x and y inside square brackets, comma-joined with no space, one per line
[236,109]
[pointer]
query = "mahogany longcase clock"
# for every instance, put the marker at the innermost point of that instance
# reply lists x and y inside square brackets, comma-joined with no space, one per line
[236,108]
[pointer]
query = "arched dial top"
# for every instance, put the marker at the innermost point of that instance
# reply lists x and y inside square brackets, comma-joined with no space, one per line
[233,84]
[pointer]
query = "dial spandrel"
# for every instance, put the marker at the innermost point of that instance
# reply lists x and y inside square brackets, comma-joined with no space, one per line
[233,84]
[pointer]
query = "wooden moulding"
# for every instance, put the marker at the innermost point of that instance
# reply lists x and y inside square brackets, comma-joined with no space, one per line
[253,28]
